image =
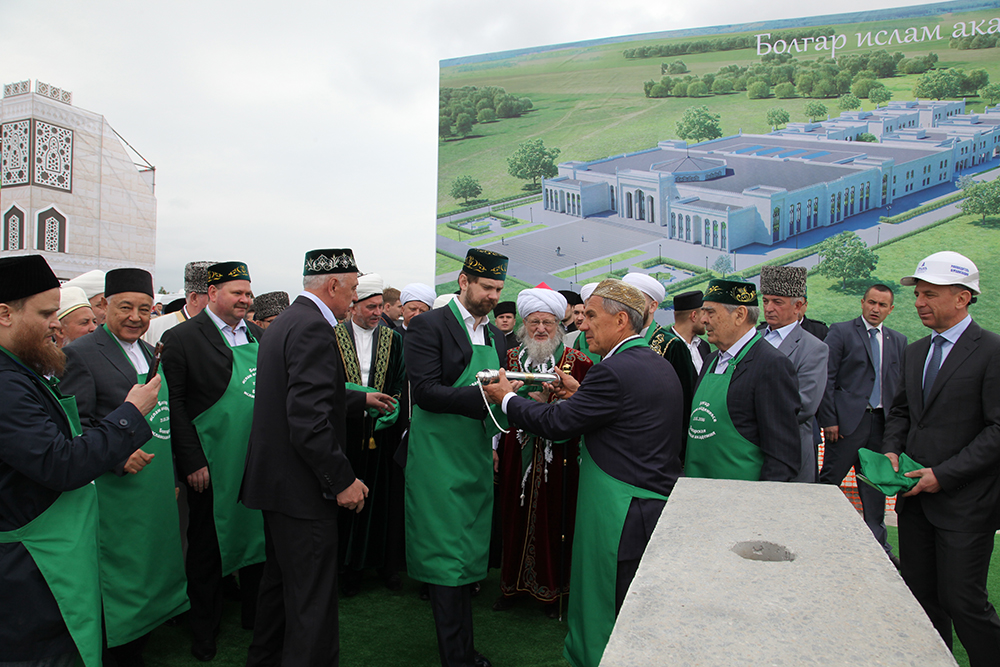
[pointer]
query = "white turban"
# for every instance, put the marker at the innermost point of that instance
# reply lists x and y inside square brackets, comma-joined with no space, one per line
[417,292]
[587,291]
[539,299]
[444,300]
[369,285]
[70,299]
[648,285]
[91,282]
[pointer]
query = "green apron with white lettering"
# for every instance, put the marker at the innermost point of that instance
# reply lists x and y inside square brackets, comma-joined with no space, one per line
[449,486]
[142,566]
[62,541]
[715,449]
[601,507]
[580,343]
[224,431]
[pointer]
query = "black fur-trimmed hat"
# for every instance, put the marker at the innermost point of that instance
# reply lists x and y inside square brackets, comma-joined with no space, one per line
[787,281]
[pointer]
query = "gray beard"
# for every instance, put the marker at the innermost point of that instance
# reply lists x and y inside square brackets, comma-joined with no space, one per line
[540,350]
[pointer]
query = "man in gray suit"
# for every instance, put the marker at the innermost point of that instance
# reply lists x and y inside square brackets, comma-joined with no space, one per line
[783,290]
[862,373]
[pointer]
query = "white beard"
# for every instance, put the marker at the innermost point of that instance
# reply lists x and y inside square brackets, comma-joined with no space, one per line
[539,351]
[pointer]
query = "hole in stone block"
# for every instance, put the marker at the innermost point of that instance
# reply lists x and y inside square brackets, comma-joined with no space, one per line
[761,550]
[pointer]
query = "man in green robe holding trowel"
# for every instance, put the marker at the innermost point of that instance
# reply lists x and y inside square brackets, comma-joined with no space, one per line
[449,467]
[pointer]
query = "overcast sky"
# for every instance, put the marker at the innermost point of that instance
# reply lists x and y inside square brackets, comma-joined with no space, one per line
[277,127]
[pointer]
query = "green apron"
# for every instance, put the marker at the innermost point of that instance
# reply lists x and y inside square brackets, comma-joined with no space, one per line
[580,343]
[142,565]
[224,431]
[62,541]
[601,507]
[715,448]
[449,486]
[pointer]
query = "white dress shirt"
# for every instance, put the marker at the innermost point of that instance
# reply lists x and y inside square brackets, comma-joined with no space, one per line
[477,333]
[951,337]
[693,349]
[363,346]
[776,336]
[732,352]
[134,353]
[235,335]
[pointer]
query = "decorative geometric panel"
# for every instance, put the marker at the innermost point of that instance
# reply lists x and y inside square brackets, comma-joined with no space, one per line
[50,91]
[53,157]
[16,156]
[13,229]
[16,88]
[51,231]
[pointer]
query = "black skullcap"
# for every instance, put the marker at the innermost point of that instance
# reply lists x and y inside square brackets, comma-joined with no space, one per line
[572,298]
[732,292]
[24,276]
[688,301]
[505,308]
[174,306]
[485,264]
[329,260]
[117,281]
[226,271]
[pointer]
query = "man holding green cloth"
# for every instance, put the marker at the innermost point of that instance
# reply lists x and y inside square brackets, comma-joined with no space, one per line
[628,411]
[142,565]
[449,467]
[50,597]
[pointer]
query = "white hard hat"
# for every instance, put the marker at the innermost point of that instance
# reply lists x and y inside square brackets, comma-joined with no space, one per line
[945,268]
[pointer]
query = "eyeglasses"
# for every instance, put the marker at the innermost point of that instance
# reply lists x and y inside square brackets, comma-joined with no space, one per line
[548,324]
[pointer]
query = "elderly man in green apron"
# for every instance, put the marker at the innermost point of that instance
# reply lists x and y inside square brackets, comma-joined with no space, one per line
[743,417]
[627,408]
[50,596]
[449,469]
[210,364]
[142,565]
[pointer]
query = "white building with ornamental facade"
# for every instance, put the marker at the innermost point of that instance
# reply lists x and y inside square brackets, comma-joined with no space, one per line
[69,188]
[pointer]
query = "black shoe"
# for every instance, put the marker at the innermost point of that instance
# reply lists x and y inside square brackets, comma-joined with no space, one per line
[476,587]
[503,603]
[425,592]
[393,582]
[204,649]
[480,660]
[894,559]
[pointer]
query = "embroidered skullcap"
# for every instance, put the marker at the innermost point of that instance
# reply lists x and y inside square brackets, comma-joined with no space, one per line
[91,282]
[587,291]
[329,260]
[623,293]
[731,292]
[542,300]
[505,308]
[444,300]
[418,292]
[118,281]
[70,299]
[572,298]
[688,301]
[23,276]
[485,264]
[225,272]
[369,285]
[196,277]
[787,281]
[648,285]
[269,304]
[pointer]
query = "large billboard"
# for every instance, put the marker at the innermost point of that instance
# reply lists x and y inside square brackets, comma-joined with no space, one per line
[695,153]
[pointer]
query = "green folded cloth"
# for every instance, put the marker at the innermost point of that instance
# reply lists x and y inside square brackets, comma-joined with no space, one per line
[383,421]
[876,470]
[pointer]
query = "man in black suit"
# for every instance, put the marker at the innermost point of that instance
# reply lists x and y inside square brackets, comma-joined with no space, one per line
[863,369]
[689,327]
[208,363]
[631,441]
[946,417]
[450,447]
[755,409]
[101,369]
[297,471]
[46,470]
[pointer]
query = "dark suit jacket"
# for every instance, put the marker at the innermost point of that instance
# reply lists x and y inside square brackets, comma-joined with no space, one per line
[436,352]
[704,348]
[197,364]
[851,373]
[295,461]
[39,459]
[815,327]
[957,433]
[631,435]
[763,403]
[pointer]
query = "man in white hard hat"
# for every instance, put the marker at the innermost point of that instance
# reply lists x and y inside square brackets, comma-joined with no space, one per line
[946,417]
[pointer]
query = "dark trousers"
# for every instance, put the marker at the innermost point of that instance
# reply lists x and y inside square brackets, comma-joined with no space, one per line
[452,607]
[842,455]
[623,579]
[297,620]
[946,571]
[204,571]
